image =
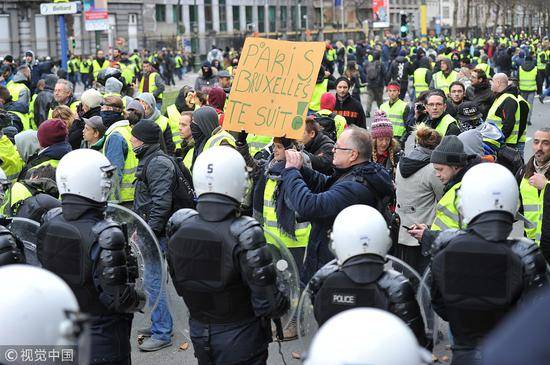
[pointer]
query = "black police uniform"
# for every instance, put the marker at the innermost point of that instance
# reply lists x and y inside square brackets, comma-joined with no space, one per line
[478,276]
[222,268]
[362,281]
[11,249]
[91,254]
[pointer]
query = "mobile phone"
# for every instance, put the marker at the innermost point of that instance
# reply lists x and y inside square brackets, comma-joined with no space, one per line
[407,228]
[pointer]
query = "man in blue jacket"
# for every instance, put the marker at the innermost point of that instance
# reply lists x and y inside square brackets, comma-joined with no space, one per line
[319,198]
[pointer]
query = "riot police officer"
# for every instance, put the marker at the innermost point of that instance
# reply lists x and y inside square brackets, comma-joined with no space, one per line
[478,274]
[11,249]
[221,266]
[91,254]
[360,242]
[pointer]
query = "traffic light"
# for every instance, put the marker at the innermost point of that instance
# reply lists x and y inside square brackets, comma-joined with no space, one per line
[404,26]
[73,43]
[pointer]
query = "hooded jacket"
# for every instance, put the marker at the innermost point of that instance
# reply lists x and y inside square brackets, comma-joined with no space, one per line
[418,191]
[167,143]
[27,144]
[24,94]
[319,198]
[54,152]
[205,120]
[482,95]
[400,70]
[319,151]
[44,99]
[206,80]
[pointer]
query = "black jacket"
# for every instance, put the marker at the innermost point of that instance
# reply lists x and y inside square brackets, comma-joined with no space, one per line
[319,150]
[75,132]
[400,70]
[352,110]
[452,130]
[154,186]
[482,95]
[507,110]
[44,99]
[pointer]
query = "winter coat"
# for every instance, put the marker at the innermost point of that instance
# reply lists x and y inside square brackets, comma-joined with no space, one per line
[352,110]
[319,151]
[53,152]
[482,96]
[75,132]
[153,192]
[319,198]
[400,70]
[44,100]
[418,191]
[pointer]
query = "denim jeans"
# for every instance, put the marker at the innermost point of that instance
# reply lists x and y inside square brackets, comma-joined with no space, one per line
[530,97]
[161,319]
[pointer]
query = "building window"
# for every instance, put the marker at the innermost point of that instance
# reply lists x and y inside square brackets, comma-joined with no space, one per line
[176,14]
[208,15]
[193,18]
[261,19]
[236,17]
[304,15]
[248,14]
[283,17]
[293,17]
[223,16]
[272,14]
[446,12]
[160,13]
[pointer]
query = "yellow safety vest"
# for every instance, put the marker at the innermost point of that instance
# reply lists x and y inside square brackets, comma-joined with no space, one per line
[31,112]
[339,121]
[17,193]
[533,205]
[257,143]
[527,79]
[162,122]
[419,80]
[128,72]
[188,159]
[301,231]
[331,55]
[54,163]
[446,213]
[395,115]
[97,67]
[12,164]
[152,85]
[540,64]
[218,138]
[174,121]
[444,124]
[85,67]
[318,91]
[485,67]
[24,119]
[492,117]
[442,82]
[15,89]
[127,187]
[179,61]
[521,99]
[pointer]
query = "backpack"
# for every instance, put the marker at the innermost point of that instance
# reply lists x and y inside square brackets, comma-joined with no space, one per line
[328,127]
[183,194]
[373,71]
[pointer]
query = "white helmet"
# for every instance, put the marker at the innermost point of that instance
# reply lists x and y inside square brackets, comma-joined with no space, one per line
[357,230]
[86,173]
[365,336]
[221,170]
[37,307]
[487,187]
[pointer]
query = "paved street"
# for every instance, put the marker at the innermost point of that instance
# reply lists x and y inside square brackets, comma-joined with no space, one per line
[172,355]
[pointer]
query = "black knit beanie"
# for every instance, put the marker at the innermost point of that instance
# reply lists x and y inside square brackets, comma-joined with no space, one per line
[146,131]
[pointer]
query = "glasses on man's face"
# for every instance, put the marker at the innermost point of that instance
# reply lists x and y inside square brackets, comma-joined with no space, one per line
[434,105]
[335,148]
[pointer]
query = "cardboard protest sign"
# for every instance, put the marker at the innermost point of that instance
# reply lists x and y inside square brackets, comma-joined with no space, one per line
[273,86]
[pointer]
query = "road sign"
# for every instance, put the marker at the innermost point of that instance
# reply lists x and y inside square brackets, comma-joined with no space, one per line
[59,8]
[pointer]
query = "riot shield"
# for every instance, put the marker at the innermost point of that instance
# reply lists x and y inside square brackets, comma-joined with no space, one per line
[438,328]
[307,324]
[144,254]
[25,231]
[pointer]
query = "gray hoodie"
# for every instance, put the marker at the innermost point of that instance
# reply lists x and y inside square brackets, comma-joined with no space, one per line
[24,94]
[27,144]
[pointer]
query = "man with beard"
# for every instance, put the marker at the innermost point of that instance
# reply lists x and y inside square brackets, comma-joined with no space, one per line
[534,191]
[480,91]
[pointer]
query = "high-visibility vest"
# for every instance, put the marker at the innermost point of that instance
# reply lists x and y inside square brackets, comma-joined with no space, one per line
[188,159]
[15,89]
[527,79]
[446,212]
[256,143]
[97,67]
[218,138]
[174,122]
[331,55]
[541,65]
[533,205]
[12,164]
[24,119]
[31,112]
[128,72]
[395,115]
[16,194]
[419,80]
[179,61]
[85,66]
[152,85]
[444,124]
[442,82]
[52,162]
[127,188]
[485,67]
[301,230]
[492,117]
[521,100]
[318,91]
